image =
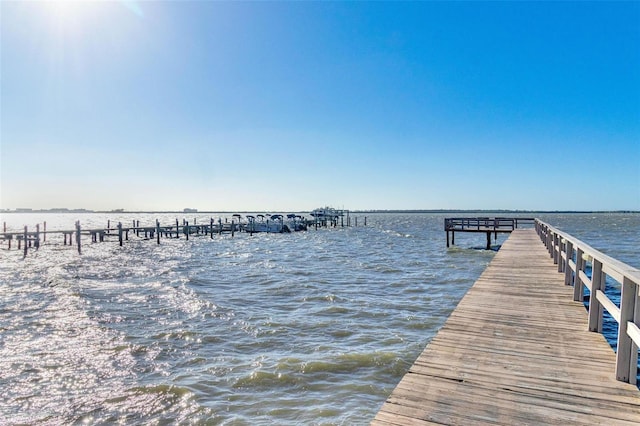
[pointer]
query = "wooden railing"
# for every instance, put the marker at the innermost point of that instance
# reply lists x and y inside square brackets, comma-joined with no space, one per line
[573,257]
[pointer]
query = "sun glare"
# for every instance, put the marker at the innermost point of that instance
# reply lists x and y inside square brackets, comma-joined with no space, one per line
[69,18]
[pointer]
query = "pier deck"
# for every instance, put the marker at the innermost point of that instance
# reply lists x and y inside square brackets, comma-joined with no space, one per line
[516,350]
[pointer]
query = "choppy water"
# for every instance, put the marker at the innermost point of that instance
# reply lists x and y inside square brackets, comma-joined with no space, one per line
[314,327]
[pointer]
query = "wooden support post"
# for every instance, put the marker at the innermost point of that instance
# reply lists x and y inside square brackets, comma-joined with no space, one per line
[595,307]
[233,227]
[177,229]
[356,221]
[561,249]
[120,233]
[633,361]
[447,239]
[211,227]
[44,235]
[627,354]
[158,230]
[453,238]
[488,240]
[365,221]
[568,273]
[25,241]
[186,229]
[78,239]
[578,286]
[219,226]
[36,243]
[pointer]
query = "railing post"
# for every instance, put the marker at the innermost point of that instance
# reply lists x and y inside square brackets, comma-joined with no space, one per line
[555,248]
[627,354]
[120,233]
[595,307]
[633,361]
[578,286]
[568,272]
[158,230]
[561,249]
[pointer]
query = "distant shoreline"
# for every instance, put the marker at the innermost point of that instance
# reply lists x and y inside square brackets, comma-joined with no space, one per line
[374,211]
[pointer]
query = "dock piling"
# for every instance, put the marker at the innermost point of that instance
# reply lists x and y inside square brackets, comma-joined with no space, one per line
[78,239]
[25,241]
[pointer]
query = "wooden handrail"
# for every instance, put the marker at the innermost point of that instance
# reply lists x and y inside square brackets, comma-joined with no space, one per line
[572,256]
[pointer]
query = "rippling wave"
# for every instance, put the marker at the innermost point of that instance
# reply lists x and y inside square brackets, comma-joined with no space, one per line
[306,328]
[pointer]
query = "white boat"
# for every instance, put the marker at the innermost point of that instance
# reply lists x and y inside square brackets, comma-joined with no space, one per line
[295,222]
[269,223]
[328,215]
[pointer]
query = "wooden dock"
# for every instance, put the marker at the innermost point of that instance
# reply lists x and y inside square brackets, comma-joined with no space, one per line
[34,239]
[517,349]
[486,225]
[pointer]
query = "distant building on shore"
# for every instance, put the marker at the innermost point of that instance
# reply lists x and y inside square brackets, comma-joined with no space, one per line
[190,210]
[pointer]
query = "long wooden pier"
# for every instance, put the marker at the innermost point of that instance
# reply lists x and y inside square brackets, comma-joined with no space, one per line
[518,348]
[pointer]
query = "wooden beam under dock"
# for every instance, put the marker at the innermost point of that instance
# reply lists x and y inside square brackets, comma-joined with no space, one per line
[516,350]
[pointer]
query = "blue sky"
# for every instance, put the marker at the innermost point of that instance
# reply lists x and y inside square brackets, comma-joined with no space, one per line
[163,105]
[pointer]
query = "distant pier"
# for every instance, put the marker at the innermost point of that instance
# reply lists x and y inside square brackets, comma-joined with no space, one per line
[28,239]
[520,348]
[486,225]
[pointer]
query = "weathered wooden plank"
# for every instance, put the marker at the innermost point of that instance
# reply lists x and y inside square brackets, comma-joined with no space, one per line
[516,350]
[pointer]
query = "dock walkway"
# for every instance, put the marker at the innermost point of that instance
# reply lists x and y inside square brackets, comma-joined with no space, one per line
[516,350]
